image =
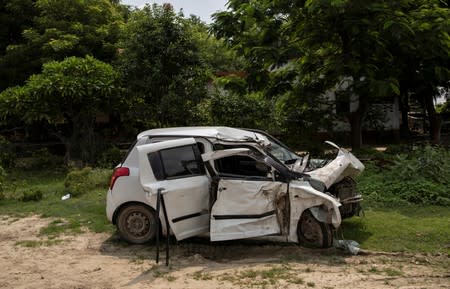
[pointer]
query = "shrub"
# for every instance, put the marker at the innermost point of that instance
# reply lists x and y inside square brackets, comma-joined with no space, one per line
[81,181]
[44,159]
[2,182]
[420,175]
[78,182]
[31,195]
[110,158]
[40,159]
[7,155]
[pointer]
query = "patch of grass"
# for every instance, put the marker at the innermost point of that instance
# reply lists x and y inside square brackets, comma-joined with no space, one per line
[30,195]
[311,284]
[57,227]
[296,280]
[392,272]
[139,259]
[87,210]
[200,275]
[410,228]
[171,278]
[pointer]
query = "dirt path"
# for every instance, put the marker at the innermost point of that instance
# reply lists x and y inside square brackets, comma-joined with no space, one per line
[100,261]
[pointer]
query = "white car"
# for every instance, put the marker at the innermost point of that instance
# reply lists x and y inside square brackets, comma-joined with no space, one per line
[227,183]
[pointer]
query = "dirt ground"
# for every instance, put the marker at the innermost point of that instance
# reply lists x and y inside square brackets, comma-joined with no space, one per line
[91,260]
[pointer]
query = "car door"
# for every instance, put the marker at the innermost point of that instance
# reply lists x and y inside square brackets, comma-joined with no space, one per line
[245,206]
[175,167]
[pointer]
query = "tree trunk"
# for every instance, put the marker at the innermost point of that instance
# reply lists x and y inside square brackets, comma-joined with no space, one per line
[355,119]
[434,118]
[356,129]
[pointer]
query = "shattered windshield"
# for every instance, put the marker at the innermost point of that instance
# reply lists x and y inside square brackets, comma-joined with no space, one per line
[282,153]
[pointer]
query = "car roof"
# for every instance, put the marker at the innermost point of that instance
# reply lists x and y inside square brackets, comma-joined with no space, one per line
[214,132]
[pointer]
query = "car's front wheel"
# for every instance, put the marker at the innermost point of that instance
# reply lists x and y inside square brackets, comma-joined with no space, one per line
[136,224]
[312,233]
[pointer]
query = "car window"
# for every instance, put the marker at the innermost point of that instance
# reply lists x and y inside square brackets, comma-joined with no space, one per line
[242,165]
[176,162]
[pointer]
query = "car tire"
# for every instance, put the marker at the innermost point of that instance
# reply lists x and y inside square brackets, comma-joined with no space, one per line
[312,233]
[136,224]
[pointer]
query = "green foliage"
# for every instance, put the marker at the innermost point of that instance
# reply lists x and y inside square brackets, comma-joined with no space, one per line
[55,29]
[83,87]
[15,16]
[298,50]
[162,67]
[83,181]
[231,109]
[401,227]
[2,182]
[7,154]
[110,158]
[420,176]
[40,159]
[30,195]
[86,211]
[443,107]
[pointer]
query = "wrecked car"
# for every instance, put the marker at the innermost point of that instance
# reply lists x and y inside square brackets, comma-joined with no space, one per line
[229,183]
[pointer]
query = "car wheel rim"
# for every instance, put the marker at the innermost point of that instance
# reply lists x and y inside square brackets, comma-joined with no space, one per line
[138,224]
[311,230]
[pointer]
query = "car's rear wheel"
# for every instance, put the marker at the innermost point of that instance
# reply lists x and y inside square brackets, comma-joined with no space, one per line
[312,233]
[136,224]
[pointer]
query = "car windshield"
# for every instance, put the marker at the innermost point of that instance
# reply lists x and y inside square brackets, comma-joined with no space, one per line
[282,153]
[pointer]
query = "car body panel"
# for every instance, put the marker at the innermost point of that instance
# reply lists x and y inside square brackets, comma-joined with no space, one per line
[245,208]
[186,198]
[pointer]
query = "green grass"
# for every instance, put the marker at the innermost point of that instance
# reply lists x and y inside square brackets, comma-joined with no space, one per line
[410,228]
[400,228]
[73,214]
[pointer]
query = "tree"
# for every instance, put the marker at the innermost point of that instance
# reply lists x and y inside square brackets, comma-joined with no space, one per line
[66,97]
[56,29]
[162,66]
[430,56]
[305,48]
[15,16]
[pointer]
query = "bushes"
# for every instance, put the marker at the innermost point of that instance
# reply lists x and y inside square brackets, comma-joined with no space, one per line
[7,155]
[30,195]
[419,175]
[110,158]
[81,181]
[2,182]
[40,159]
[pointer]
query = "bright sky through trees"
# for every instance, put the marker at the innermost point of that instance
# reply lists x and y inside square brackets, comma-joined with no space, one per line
[201,8]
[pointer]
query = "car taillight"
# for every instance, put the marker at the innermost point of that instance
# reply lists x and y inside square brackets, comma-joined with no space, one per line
[118,172]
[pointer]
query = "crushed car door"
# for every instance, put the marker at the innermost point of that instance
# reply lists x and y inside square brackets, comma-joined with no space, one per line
[175,167]
[245,206]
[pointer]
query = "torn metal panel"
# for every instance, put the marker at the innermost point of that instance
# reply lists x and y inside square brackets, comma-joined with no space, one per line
[246,208]
[302,197]
[214,155]
[344,165]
